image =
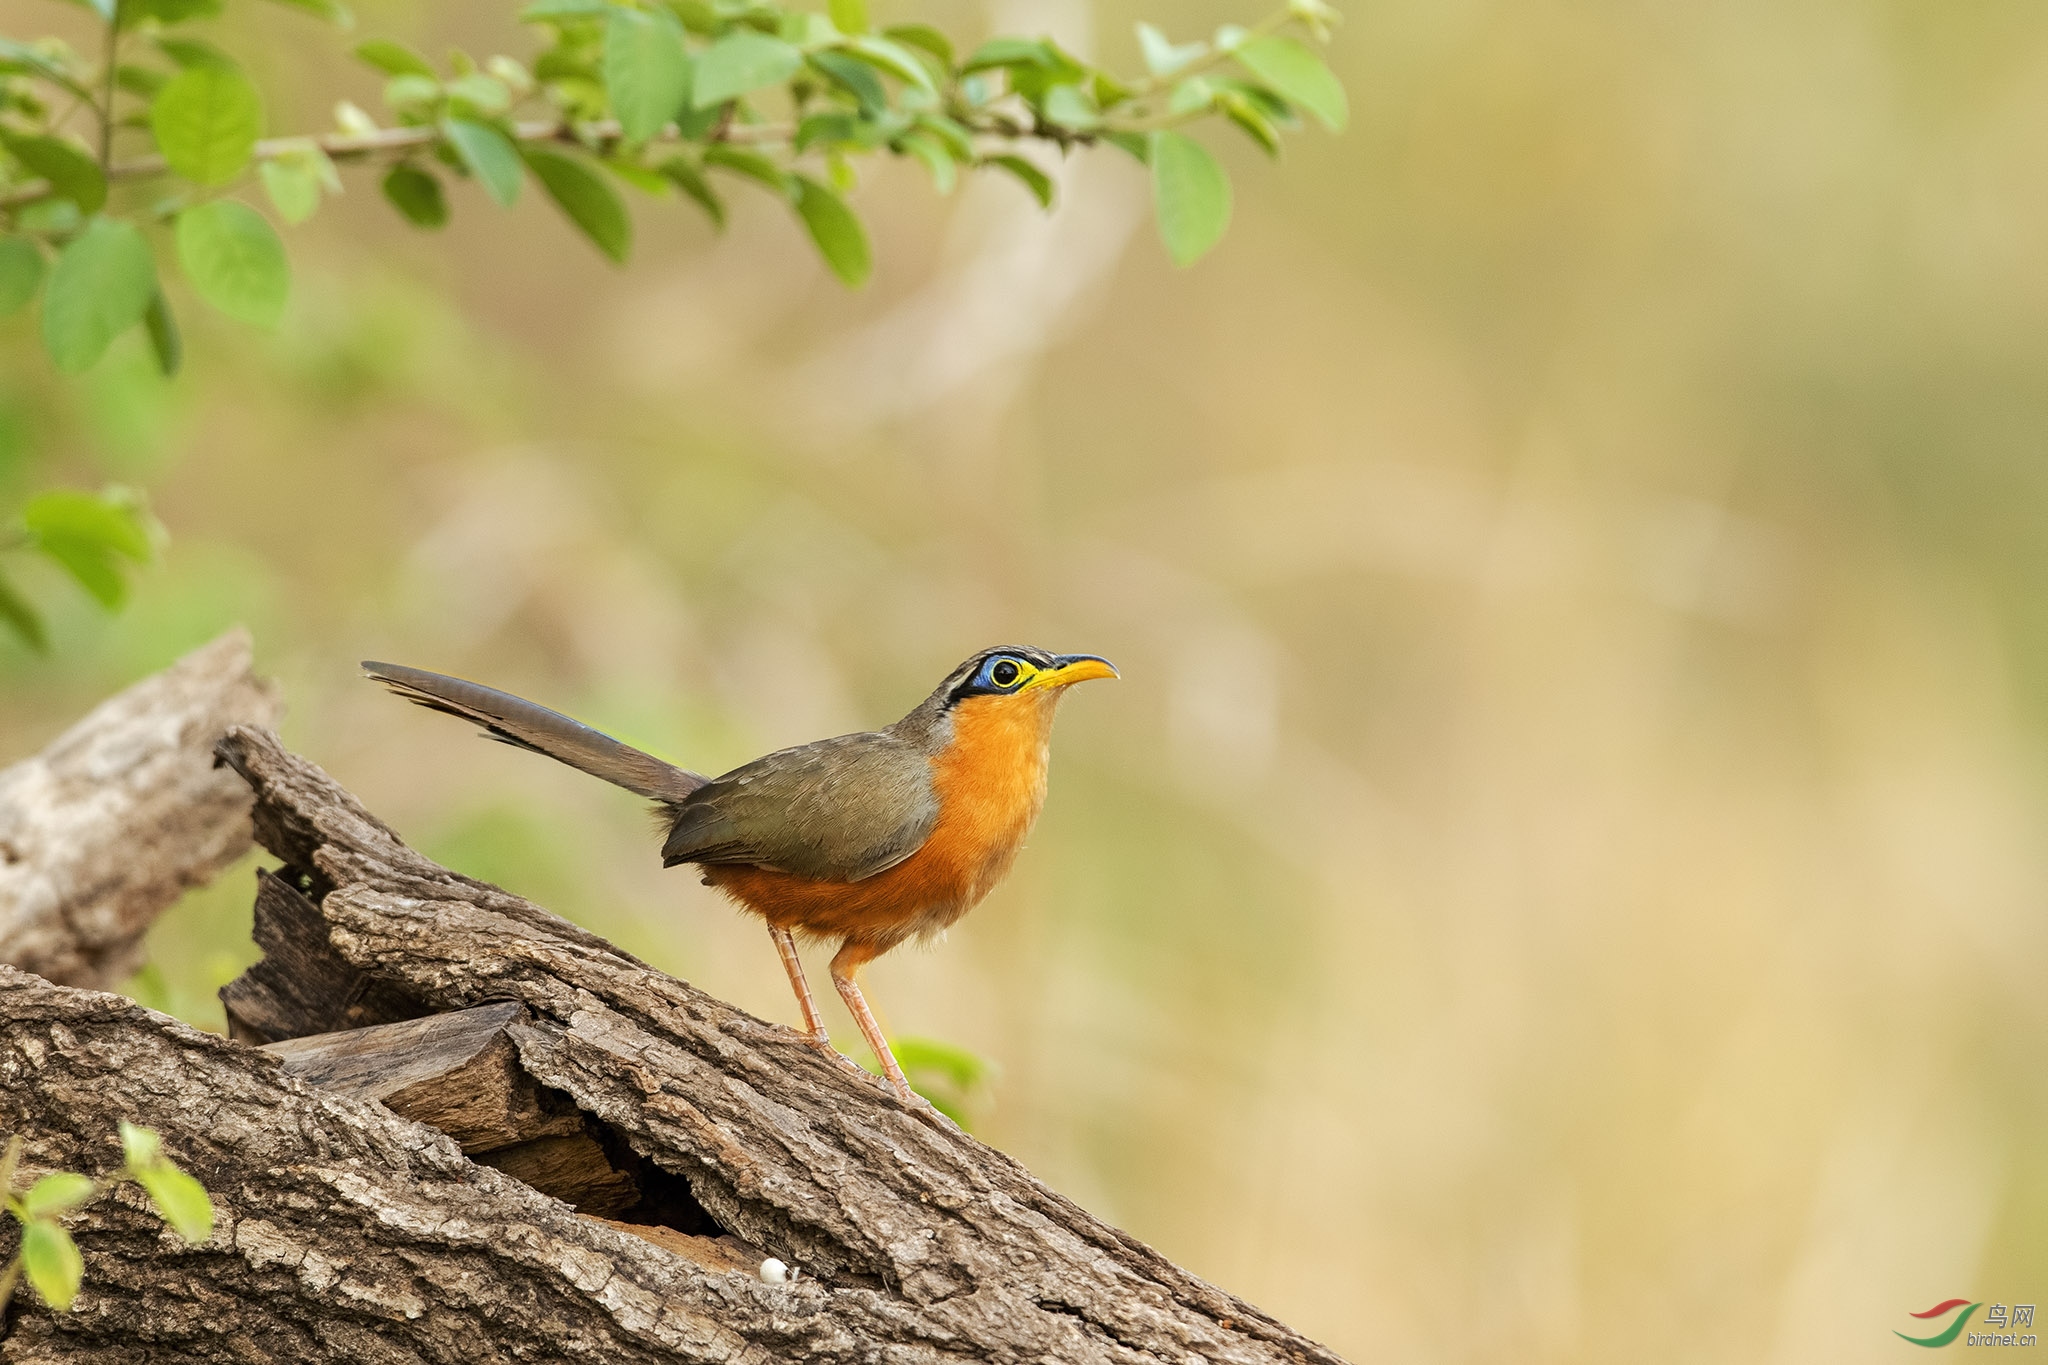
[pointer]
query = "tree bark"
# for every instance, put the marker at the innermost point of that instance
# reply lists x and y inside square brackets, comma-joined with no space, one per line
[350,1233]
[125,812]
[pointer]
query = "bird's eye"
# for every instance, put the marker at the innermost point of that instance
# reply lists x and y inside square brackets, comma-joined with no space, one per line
[1003,673]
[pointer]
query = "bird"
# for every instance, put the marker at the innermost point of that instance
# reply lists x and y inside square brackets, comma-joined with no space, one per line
[869,839]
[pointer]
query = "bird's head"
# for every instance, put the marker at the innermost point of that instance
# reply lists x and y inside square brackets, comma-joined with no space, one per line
[1019,677]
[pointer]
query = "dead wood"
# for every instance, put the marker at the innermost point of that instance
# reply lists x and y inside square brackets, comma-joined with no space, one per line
[349,1232]
[123,813]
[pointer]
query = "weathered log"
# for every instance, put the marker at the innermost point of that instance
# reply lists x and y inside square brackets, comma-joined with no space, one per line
[123,813]
[457,1072]
[351,1233]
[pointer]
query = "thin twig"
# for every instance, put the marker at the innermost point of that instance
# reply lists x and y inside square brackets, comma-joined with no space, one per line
[106,108]
[361,146]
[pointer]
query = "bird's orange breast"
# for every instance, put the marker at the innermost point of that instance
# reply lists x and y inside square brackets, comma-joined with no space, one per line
[990,784]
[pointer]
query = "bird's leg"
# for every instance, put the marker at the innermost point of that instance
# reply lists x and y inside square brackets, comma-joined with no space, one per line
[814,1025]
[845,963]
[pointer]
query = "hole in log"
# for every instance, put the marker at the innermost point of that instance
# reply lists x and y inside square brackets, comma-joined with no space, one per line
[459,1072]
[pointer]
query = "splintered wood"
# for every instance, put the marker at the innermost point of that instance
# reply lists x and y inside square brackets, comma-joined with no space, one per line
[459,1072]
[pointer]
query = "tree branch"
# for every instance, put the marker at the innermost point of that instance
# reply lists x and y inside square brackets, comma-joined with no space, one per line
[122,814]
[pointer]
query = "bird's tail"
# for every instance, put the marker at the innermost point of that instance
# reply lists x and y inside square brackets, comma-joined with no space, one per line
[511,720]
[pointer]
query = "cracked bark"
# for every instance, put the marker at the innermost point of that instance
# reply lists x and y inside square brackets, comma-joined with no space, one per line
[122,814]
[350,1233]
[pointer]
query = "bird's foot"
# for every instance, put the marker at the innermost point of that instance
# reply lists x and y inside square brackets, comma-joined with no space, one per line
[823,1043]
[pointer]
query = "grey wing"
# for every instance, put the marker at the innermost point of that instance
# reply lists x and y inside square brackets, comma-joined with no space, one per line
[838,810]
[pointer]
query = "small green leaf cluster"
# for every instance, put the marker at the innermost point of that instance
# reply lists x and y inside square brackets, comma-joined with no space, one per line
[64,231]
[89,536]
[47,1256]
[666,97]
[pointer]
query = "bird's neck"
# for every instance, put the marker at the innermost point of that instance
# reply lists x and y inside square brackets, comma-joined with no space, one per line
[990,779]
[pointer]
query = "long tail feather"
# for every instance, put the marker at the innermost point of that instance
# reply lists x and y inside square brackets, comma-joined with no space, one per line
[513,720]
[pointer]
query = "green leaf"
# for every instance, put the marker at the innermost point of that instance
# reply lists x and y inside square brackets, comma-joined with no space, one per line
[295,179]
[58,219]
[416,195]
[403,92]
[1292,69]
[752,165]
[179,1198]
[1010,52]
[486,95]
[511,74]
[49,69]
[395,58]
[849,16]
[333,12]
[1246,115]
[858,78]
[92,566]
[144,81]
[99,288]
[490,156]
[193,52]
[1067,106]
[834,226]
[698,16]
[741,62]
[56,1193]
[1137,144]
[1191,96]
[945,172]
[111,521]
[21,273]
[69,168]
[646,69]
[206,123]
[1191,195]
[164,341]
[591,203]
[235,261]
[22,618]
[891,58]
[830,129]
[645,179]
[925,38]
[691,181]
[139,1146]
[52,1261]
[547,11]
[91,563]
[955,137]
[801,28]
[1034,179]
[1163,58]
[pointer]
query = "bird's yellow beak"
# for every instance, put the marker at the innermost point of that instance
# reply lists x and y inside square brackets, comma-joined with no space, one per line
[1069,669]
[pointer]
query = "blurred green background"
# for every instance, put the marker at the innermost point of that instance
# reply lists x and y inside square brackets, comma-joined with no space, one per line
[1563,875]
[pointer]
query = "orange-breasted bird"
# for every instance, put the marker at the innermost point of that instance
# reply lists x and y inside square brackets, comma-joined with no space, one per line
[870,839]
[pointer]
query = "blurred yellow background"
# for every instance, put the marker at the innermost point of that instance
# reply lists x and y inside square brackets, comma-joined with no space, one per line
[1563,875]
